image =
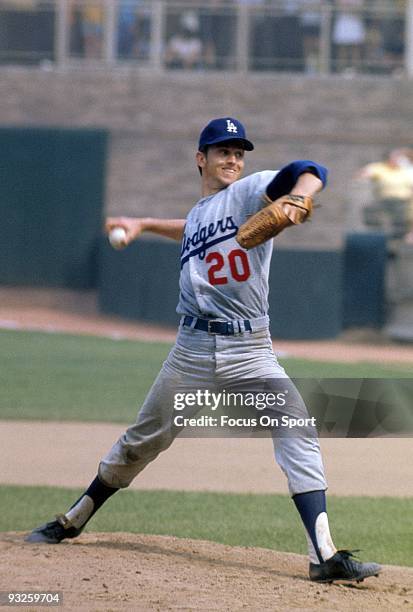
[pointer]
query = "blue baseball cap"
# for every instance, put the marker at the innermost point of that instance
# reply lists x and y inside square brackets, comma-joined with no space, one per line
[223,129]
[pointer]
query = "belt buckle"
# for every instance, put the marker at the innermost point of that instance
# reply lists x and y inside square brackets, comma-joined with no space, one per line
[210,332]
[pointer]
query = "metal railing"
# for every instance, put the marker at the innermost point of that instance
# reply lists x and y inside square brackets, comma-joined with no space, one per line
[312,36]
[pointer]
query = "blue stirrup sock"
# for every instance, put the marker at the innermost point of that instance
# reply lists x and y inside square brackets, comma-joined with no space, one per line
[313,511]
[92,499]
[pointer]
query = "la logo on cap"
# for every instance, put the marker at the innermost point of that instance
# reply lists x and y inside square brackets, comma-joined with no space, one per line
[231,127]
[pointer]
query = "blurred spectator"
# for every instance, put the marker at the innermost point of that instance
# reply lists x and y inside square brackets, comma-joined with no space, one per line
[184,49]
[392,183]
[127,19]
[349,34]
[133,29]
[406,161]
[76,33]
[92,29]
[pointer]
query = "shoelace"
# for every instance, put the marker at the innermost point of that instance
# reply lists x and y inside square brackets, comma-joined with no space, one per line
[347,554]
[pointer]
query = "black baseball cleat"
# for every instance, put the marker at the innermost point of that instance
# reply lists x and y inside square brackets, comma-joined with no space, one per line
[53,532]
[343,566]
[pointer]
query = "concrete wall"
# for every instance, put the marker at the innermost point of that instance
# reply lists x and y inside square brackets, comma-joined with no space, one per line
[154,121]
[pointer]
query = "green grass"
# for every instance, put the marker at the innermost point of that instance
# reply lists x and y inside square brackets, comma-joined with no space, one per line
[303,368]
[380,527]
[81,378]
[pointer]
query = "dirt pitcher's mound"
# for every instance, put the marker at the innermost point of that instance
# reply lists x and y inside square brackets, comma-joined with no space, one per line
[114,571]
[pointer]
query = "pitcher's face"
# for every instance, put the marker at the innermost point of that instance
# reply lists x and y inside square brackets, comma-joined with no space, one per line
[221,166]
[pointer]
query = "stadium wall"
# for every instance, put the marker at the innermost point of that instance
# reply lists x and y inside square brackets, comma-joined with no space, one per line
[154,120]
[51,205]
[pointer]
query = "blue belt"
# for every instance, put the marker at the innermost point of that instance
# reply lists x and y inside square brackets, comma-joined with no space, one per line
[215,326]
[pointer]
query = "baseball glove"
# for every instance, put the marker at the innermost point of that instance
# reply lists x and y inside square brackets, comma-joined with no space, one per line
[273,219]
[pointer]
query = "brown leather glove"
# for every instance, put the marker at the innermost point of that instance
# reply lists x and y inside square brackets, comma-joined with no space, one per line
[273,219]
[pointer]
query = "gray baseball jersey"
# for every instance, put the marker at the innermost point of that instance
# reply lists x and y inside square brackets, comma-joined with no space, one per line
[219,279]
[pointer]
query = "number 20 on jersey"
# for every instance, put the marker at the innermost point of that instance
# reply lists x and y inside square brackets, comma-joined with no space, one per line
[238,265]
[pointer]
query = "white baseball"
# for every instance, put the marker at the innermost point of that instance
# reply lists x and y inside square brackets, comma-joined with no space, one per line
[117,237]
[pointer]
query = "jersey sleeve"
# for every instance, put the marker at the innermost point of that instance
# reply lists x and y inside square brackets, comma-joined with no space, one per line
[247,194]
[287,177]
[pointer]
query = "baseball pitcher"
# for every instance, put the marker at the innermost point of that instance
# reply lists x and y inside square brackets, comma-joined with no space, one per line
[223,337]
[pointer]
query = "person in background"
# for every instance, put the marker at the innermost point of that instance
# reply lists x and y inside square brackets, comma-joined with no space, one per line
[392,185]
[134,29]
[406,162]
[349,34]
[126,28]
[92,30]
[184,49]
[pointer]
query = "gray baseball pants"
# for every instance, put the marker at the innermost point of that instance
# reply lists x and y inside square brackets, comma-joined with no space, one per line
[202,361]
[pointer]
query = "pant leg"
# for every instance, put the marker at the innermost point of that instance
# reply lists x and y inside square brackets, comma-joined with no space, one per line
[301,461]
[142,442]
[297,449]
[189,366]
[251,357]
